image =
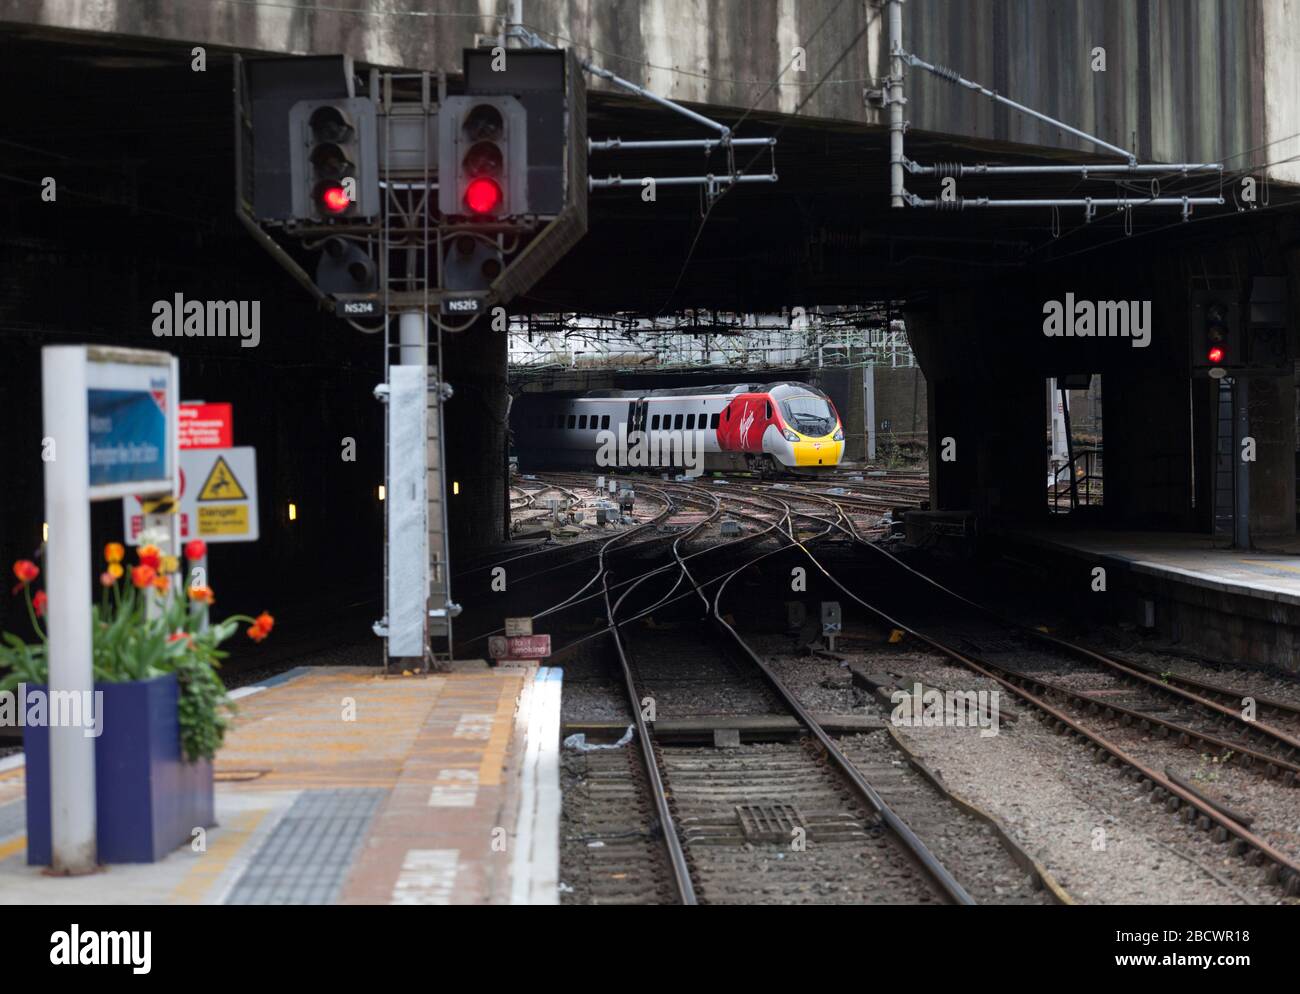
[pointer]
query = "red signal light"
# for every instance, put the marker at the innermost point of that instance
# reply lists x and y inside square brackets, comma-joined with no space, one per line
[335,199]
[1215,355]
[482,195]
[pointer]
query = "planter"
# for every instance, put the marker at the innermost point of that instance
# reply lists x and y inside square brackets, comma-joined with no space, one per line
[149,800]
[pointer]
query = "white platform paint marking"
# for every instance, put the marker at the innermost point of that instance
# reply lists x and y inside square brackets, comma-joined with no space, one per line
[535,866]
[428,877]
[455,789]
[474,726]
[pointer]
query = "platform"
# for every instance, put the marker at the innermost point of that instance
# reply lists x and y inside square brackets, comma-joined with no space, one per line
[1232,604]
[338,786]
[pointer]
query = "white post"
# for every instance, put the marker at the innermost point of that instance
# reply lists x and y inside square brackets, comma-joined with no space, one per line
[67,584]
[410,332]
[869,406]
[895,90]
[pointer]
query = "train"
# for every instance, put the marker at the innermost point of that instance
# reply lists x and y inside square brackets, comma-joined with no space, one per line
[770,429]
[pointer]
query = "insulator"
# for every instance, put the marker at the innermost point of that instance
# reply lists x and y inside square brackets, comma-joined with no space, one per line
[956,204]
[951,75]
[946,169]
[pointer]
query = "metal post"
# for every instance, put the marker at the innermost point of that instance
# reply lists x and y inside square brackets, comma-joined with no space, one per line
[896,124]
[1241,475]
[869,407]
[410,335]
[67,584]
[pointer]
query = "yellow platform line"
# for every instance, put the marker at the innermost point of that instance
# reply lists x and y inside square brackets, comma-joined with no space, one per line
[203,875]
[7,849]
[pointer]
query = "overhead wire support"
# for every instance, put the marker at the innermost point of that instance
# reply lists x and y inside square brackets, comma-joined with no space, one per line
[713,183]
[900,165]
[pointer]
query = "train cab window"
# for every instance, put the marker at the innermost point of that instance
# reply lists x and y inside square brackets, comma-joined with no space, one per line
[677,421]
[713,422]
[654,423]
[604,421]
[573,421]
[727,411]
[767,410]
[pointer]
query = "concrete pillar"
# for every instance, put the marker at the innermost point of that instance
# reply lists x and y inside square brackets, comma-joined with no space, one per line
[1272,475]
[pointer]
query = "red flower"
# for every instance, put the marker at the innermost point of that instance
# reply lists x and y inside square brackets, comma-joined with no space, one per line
[177,636]
[107,579]
[196,549]
[265,622]
[151,556]
[26,571]
[257,633]
[38,603]
[142,576]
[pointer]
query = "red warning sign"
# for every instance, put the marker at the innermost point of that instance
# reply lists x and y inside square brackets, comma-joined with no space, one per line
[206,426]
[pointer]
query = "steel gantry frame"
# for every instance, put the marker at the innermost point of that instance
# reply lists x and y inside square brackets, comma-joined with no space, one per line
[900,196]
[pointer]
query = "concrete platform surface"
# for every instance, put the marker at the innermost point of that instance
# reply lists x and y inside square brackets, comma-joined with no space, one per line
[1190,558]
[336,785]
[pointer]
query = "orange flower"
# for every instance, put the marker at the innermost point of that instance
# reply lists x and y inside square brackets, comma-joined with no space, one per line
[161,582]
[113,552]
[39,602]
[151,556]
[265,622]
[142,576]
[202,594]
[177,636]
[107,579]
[256,633]
[26,571]
[115,570]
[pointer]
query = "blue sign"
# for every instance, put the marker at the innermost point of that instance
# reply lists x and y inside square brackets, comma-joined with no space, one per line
[128,436]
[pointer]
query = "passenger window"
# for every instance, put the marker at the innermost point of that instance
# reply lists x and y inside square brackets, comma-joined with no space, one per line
[573,421]
[690,421]
[654,423]
[713,423]
[604,421]
[582,421]
[677,421]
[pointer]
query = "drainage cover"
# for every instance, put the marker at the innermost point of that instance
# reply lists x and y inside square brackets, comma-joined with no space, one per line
[769,822]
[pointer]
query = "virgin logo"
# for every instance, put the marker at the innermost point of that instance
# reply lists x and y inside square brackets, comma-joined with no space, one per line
[746,422]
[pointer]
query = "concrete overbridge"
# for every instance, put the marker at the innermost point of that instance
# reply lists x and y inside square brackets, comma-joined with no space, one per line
[142,143]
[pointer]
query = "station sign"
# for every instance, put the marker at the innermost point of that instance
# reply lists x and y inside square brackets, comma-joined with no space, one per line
[519,646]
[129,437]
[218,497]
[206,426]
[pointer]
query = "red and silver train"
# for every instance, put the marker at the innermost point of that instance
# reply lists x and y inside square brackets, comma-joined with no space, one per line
[764,428]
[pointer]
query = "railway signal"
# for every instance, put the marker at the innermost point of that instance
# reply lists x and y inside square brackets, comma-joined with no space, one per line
[334,156]
[483,158]
[1216,332]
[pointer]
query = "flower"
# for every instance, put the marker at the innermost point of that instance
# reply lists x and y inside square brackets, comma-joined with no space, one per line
[150,556]
[26,571]
[142,576]
[113,552]
[202,594]
[161,582]
[196,549]
[107,579]
[38,603]
[115,570]
[177,636]
[170,564]
[261,627]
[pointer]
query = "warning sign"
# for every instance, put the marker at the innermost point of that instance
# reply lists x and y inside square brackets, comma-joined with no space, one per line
[221,508]
[221,484]
[206,426]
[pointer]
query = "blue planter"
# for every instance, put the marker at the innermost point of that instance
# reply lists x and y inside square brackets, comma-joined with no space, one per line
[149,800]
